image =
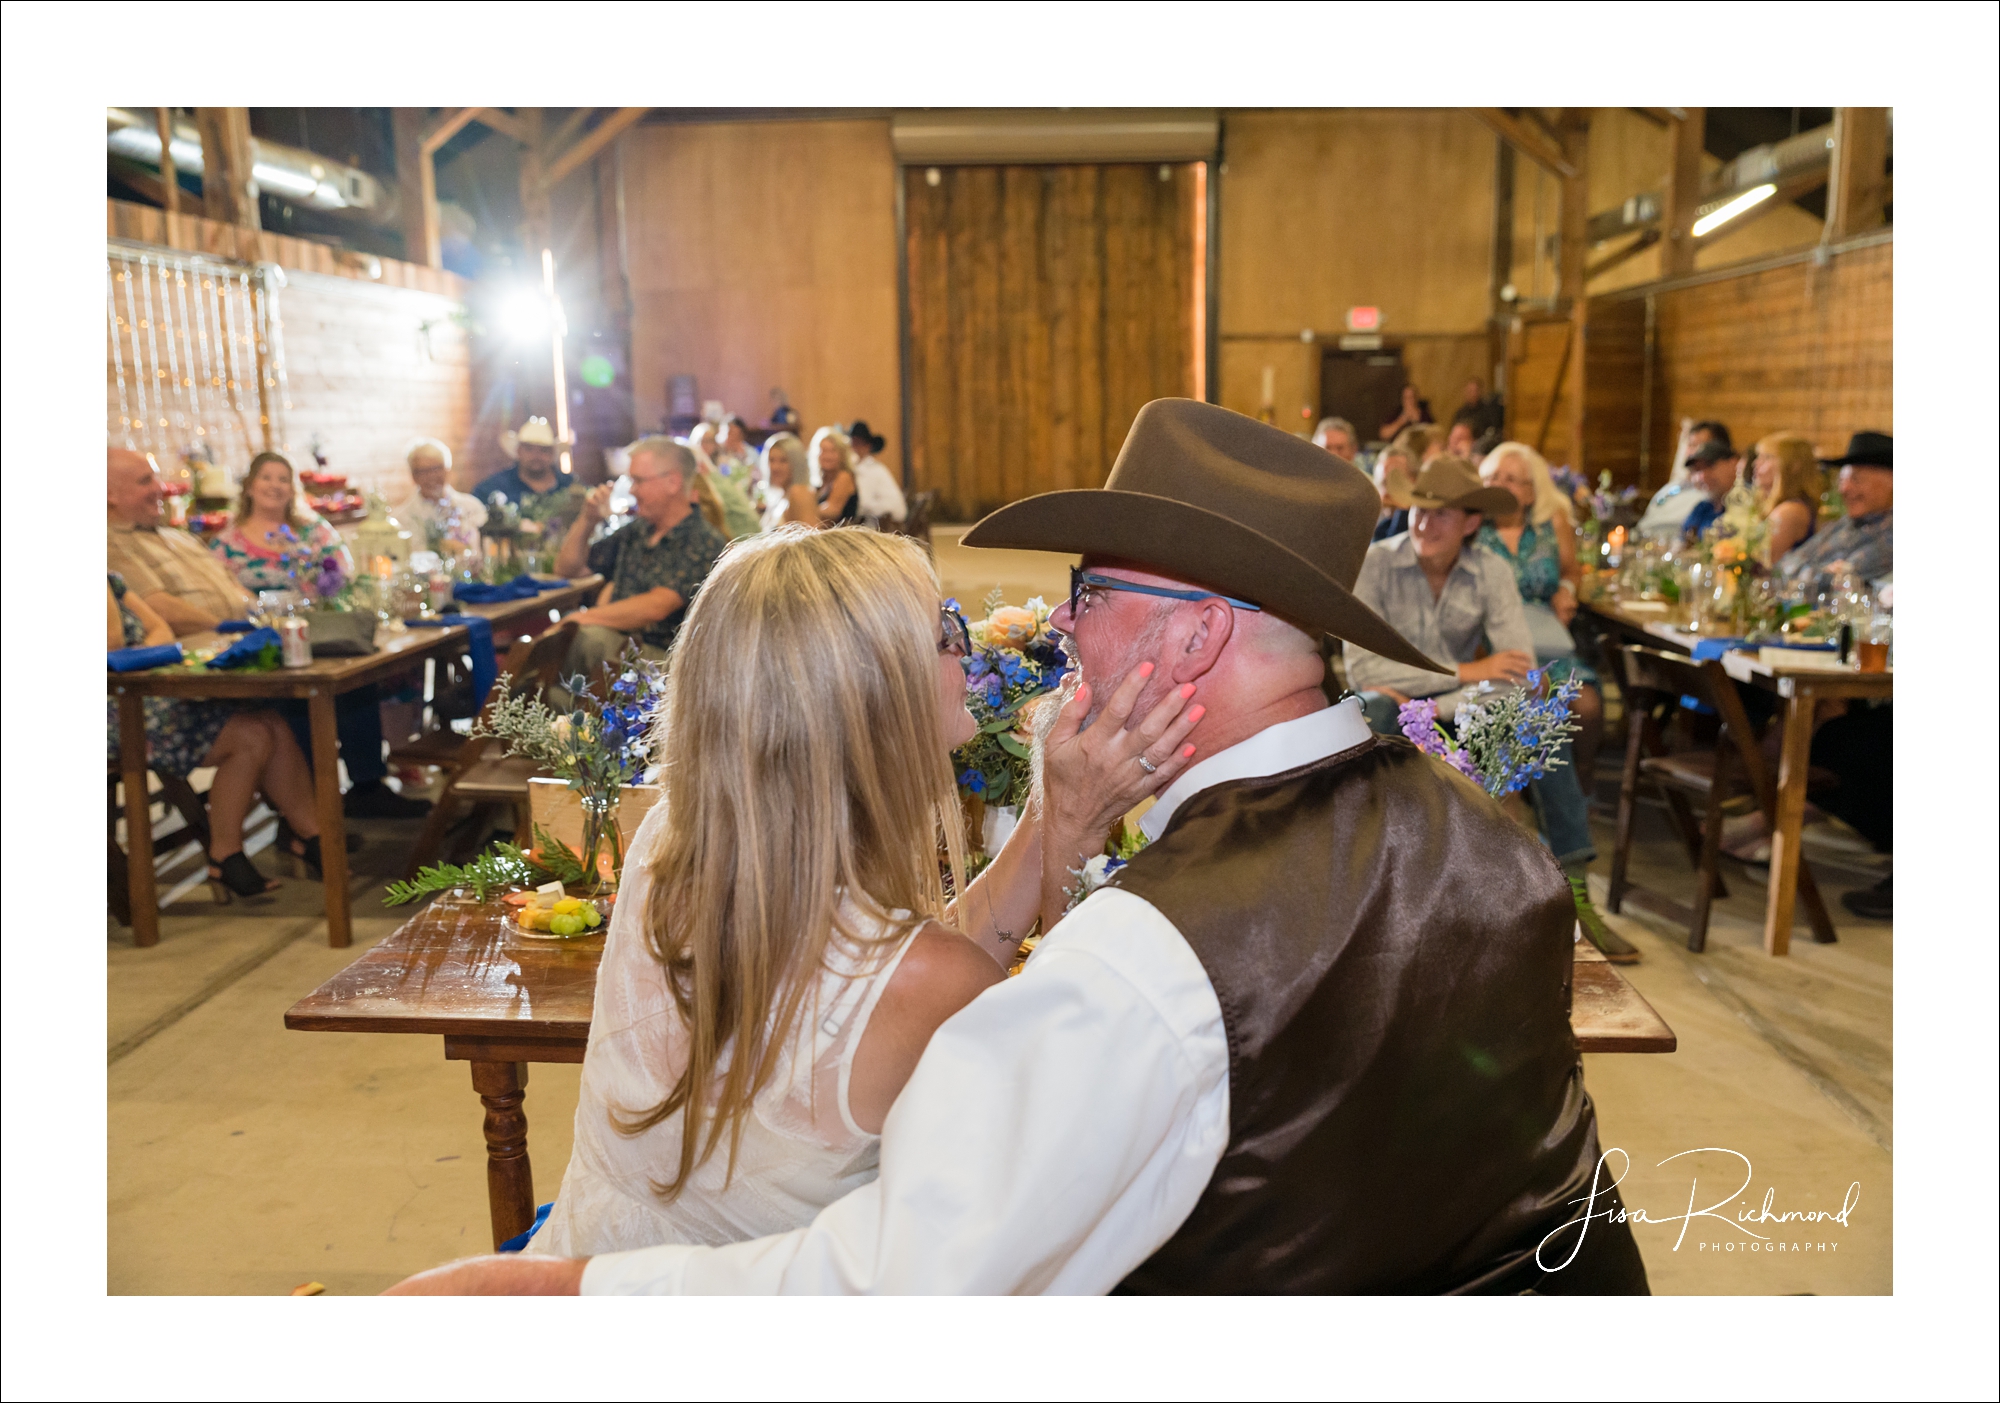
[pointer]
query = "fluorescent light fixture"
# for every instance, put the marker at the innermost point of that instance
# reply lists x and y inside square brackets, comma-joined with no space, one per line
[1749,199]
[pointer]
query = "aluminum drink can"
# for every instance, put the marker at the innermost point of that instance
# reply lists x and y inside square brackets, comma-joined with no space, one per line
[440,592]
[295,649]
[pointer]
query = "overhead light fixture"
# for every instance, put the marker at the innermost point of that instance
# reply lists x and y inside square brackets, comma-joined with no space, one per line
[1749,199]
[525,315]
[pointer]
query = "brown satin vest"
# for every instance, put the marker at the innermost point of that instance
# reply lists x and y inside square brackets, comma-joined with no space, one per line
[1392,956]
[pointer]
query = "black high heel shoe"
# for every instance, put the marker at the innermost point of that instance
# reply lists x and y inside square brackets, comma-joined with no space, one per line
[303,854]
[236,875]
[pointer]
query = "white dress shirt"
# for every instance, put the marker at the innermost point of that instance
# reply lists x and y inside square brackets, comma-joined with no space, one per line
[1057,1130]
[878,491]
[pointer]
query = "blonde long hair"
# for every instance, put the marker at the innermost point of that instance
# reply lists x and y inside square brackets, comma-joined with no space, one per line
[1800,477]
[297,515]
[1549,500]
[845,445]
[801,756]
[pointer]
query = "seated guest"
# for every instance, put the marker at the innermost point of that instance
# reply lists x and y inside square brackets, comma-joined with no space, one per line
[744,1057]
[1670,506]
[834,456]
[654,564]
[1461,442]
[1415,410]
[1712,470]
[255,548]
[275,541]
[250,749]
[720,499]
[791,499]
[1450,597]
[1789,485]
[1862,541]
[533,483]
[448,518]
[1395,470]
[1481,413]
[881,496]
[733,456]
[1538,539]
[169,569]
[1337,437]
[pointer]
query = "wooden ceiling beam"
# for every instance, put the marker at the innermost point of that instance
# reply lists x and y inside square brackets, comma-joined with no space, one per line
[1685,135]
[571,126]
[1527,140]
[1859,184]
[503,122]
[586,149]
[447,124]
[1632,250]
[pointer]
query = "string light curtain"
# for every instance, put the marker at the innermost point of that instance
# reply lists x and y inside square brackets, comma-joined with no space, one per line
[197,359]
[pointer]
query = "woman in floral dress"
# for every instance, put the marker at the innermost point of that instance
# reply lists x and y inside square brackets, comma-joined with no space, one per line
[250,750]
[275,542]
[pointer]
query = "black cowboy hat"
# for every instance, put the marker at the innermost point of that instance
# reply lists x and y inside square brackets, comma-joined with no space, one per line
[1866,449]
[1210,496]
[859,432]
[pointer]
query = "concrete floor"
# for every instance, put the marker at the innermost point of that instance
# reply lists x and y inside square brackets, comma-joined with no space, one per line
[245,1159]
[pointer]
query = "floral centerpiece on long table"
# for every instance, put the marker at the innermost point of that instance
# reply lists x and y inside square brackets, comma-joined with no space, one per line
[598,747]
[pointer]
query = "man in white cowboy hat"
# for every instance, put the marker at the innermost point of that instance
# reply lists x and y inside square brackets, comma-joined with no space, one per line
[534,472]
[1314,1038]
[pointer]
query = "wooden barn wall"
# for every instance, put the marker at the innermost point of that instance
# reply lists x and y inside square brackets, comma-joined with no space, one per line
[1047,304]
[371,364]
[762,255]
[1325,210]
[1799,346]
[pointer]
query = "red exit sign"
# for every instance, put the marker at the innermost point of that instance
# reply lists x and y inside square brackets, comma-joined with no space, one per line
[1364,318]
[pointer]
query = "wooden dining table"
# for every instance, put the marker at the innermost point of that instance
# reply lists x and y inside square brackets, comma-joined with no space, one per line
[1799,689]
[500,1001]
[317,684]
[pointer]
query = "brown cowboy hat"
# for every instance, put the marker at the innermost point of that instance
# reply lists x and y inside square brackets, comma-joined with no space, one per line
[1210,496]
[1447,482]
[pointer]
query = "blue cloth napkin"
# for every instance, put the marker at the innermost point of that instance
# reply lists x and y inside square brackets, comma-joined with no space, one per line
[485,667]
[138,659]
[245,649]
[1706,650]
[519,1241]
[234,626]
[520,587]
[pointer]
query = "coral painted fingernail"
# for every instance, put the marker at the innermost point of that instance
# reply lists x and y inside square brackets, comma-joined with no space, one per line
[1145,669]
[1187,690]
[1187,752]
[1195,713]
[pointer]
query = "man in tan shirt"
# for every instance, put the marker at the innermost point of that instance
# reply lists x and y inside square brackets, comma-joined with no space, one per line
[164,565]
[192,590]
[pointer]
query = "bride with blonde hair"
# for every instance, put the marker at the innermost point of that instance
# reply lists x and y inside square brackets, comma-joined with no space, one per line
[784,944]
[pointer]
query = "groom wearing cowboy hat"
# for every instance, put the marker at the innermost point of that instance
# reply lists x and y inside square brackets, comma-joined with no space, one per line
[1315,1038]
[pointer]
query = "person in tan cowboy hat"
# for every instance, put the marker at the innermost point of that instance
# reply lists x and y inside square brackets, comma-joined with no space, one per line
[535,471]
[1314,1038]
[1453,598]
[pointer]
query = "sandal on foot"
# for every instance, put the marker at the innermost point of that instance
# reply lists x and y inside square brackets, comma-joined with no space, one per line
[236,875]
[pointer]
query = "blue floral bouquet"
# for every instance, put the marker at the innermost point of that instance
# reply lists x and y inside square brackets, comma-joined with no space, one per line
[1015,659]
[1503,743]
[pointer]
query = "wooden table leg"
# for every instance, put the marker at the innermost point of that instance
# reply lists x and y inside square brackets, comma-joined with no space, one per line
[138,818]
[332,819]
[510,1180]
[1793,762]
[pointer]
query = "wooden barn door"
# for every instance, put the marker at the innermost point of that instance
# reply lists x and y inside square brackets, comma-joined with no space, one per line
[1046,304]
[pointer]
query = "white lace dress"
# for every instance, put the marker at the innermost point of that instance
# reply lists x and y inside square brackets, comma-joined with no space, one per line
[800,1149]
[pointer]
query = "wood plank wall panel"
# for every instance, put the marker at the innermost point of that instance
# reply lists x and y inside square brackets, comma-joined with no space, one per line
[1047,304]
[1534,355]
[371,364]
[1614,351]
[763,254]
[1798,347]
[1324,210]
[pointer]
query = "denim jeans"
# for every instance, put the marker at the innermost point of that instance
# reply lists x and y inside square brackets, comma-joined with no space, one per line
[357,719]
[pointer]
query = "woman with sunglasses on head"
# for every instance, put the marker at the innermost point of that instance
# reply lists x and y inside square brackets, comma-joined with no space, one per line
[784,945]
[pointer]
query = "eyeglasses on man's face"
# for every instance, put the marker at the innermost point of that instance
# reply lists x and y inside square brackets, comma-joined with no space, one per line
[954,636]
[1083,583]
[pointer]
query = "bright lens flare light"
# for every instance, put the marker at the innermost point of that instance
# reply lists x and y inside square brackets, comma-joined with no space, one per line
[525,315]
[1749,199]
